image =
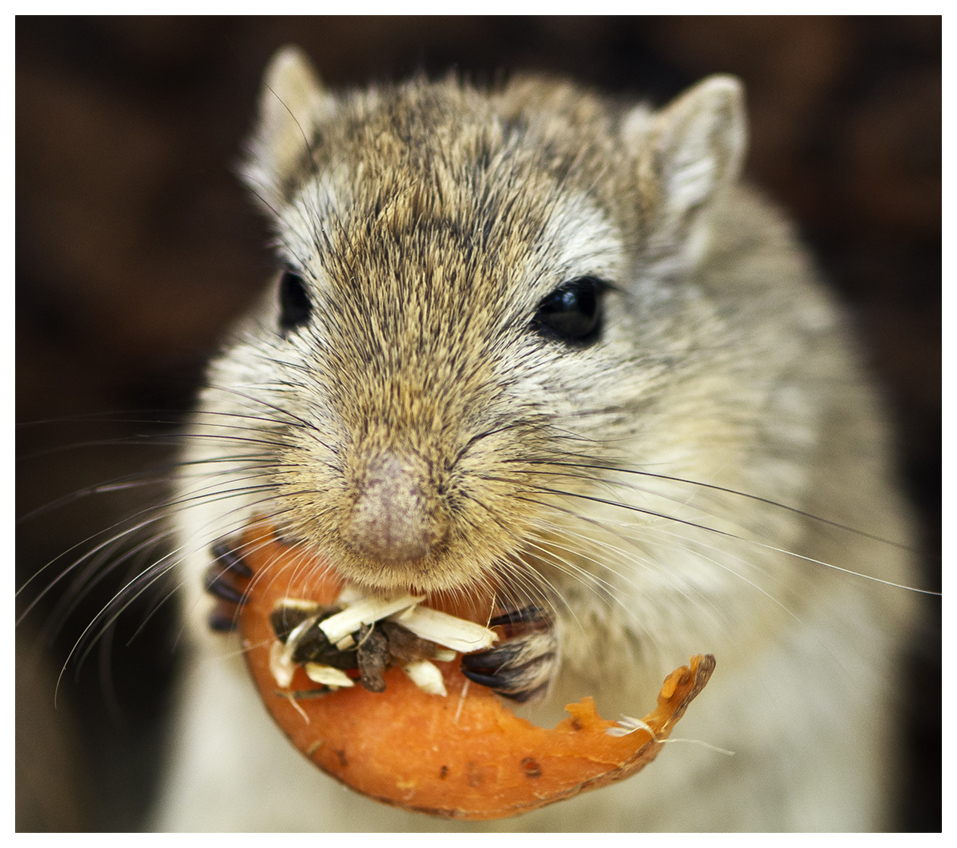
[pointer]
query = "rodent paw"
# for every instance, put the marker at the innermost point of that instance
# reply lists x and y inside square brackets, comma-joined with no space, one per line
[220,581]
[522,666]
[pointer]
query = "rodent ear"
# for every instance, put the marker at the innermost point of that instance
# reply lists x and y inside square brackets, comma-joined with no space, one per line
[688,151]
[700,140]
[292,103]
[694,145]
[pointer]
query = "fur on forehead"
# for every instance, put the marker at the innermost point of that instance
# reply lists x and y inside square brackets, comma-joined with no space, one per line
[437,149]
[442,169]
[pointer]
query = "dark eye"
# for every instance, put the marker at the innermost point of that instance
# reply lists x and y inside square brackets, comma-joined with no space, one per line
[294,305]
[573,312]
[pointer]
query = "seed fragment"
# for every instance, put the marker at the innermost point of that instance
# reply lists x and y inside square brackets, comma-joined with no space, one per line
[364,611]
[327,675]
[444,629]
[373,655]
[426,676]
[369,634]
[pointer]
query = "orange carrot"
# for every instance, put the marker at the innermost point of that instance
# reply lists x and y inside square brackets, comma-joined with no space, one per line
[464,755]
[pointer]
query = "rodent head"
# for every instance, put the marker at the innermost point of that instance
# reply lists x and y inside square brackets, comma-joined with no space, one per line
[457,324]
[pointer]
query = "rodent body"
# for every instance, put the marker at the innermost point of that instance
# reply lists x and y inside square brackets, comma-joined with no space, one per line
[535,337]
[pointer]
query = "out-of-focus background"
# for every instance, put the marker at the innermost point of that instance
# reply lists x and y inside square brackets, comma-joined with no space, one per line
[136,247]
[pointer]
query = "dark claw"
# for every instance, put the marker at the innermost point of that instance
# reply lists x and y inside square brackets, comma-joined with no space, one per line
[489,680]
[229,560]
[222,620]
[216,583]
[227,567]
[511,654]
[520,669]
[530,617]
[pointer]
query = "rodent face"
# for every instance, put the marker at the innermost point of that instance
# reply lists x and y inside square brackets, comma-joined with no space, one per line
[421,356]
[453,334]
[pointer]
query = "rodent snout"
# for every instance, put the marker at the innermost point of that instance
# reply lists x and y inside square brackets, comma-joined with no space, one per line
[393,518]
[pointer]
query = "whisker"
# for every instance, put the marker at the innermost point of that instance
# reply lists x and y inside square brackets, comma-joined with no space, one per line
[716,531]
[745,495]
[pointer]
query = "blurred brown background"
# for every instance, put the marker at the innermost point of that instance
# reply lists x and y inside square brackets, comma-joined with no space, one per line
[136,247]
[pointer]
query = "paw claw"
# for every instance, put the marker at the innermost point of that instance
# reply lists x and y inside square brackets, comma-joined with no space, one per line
[224,580]
[230,561]
[522,667]
[216,582]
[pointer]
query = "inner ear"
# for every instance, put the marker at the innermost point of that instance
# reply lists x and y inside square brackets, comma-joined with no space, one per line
[697,144]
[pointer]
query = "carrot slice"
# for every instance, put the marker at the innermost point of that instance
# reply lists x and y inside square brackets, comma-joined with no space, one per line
[463,755]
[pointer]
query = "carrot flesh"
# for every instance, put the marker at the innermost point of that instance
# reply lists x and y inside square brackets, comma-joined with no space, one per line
[463,755]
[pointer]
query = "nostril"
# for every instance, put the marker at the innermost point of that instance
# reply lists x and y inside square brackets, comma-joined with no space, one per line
[392,518]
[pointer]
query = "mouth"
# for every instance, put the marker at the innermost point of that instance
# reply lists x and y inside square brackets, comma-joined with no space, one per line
[401,698]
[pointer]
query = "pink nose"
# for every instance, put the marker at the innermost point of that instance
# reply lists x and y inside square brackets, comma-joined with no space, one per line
[391,518]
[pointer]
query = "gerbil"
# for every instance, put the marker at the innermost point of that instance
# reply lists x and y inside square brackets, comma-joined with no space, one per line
[537,334]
